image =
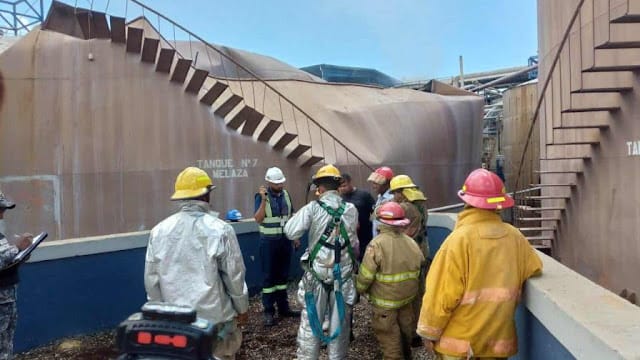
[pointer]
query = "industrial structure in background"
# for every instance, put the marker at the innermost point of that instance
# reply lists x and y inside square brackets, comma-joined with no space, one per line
[567,143]
[113,105]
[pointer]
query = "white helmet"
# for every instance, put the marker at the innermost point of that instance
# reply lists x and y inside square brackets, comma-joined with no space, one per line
[274,175]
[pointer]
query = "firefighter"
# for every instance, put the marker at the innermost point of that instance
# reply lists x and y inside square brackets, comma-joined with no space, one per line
[390,275]
[327,286]
[193,258]
[412,201]
[272,210]
[379,180]
[476,278]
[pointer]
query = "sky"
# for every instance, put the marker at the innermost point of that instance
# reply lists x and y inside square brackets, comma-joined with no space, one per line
[407,39]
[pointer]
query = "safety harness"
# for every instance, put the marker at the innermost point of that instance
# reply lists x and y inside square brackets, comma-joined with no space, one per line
[325,240]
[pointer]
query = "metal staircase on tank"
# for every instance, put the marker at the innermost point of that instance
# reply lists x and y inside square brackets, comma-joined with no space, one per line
[592,71]
[247,103]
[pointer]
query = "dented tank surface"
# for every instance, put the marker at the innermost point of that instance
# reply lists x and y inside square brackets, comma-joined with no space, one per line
[94,147]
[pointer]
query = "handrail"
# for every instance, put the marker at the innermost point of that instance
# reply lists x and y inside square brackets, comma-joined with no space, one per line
[544,88]
[250,72]
[459,205]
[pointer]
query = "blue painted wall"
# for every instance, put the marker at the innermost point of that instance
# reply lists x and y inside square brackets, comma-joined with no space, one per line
[84,294]
[535,341]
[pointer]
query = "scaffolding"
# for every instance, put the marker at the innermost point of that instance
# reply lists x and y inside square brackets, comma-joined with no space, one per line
[19,16]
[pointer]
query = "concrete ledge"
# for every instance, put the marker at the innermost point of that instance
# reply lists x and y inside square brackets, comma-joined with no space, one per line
[590,321]
[59,249]
[443,220]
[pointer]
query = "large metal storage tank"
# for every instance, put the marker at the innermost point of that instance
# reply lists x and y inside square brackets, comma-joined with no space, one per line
[518,107]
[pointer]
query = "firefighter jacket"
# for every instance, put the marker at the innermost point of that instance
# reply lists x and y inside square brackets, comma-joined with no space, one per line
[474,285]
[194,259]
[390,269]
[416,214]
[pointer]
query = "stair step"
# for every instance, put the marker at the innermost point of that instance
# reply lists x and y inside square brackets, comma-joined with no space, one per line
[297,151]
[93,25]
[621,35]
[150,50]
[228,105]
[196,81]
[101,27]
[269,130]
[312,160]
[539,219]
[623,11]
[541,228]
[576,136]
[606,81]
[165,60]
[546,197]
[557,171]
[251,123]
[542,247]
[530,208]
[616,59]
[593,102]
[562,165]
[585,120]
[538,238]
[284,140]
[247,116]
[552,185]
[181,70]
[134,39]
[565,152]
[118,29]
[214,93]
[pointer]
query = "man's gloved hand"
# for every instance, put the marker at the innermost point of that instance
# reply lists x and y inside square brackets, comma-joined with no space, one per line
[242,319]
[24,241]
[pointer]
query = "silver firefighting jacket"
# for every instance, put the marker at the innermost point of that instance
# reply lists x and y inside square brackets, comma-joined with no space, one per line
[193,258]
[314,218]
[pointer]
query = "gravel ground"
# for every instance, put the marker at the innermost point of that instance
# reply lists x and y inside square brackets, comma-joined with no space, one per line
[278,342]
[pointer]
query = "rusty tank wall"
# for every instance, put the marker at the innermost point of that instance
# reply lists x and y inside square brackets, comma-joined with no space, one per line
[518,107]
[599,232]
[94,147]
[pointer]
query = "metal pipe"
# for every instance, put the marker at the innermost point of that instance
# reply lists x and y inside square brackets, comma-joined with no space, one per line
[461,73]
[505,78]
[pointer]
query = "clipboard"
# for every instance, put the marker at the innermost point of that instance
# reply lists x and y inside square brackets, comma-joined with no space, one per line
[24,254]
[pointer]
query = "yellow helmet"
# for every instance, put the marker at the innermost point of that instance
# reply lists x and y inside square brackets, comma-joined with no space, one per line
[191,183]
[327,171]
[401,182]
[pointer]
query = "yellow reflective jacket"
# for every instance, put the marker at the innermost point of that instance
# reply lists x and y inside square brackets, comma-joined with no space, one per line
[474,285]
[390,269]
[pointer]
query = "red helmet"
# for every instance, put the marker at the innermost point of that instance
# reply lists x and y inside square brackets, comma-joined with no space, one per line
[381,175]
[391,213]
[484,189]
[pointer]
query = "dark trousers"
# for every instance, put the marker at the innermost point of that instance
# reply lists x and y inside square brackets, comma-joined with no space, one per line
[276,258]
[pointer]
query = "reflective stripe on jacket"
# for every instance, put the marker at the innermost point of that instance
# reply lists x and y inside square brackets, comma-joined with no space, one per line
[390,269]
[272,226]
[474,285]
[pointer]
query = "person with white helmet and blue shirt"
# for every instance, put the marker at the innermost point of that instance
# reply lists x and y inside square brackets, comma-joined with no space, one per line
[273,208]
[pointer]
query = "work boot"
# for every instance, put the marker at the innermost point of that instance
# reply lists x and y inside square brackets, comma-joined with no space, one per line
[289,313]
[269,320]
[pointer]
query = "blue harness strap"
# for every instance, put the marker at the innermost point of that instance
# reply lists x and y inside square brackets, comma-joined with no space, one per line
[314,320]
